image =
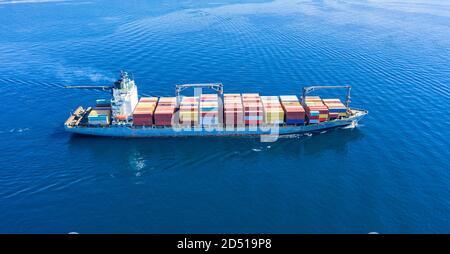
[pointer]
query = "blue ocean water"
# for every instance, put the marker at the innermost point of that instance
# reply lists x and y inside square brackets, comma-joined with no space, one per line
[389,175]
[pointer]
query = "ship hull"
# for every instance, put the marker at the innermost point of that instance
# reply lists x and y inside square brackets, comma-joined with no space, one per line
[131,131]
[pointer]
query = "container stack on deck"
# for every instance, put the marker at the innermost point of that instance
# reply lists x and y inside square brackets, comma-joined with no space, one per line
[99,117]
[315,109]
[103,104]
[336,108]
[143,112]
[188,112]
[253,109]
[232,110]
[164,111]
[209,109]
[273,112]
[293,110]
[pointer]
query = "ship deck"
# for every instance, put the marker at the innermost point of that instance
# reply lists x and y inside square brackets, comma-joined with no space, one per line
[75,125]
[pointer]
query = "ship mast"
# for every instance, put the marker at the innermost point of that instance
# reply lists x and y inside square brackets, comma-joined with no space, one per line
[310,89]
[218,87]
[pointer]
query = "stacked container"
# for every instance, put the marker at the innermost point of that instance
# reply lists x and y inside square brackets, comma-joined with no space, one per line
[315,109]
[233,110]
[209,109]
[103,104]
[273,112]
[188,113]
[143,112]
[253,109]
[164,111]
[336,108]
[99,117]
[293,110]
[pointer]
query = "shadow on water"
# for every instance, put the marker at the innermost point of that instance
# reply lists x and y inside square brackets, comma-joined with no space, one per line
[175,152]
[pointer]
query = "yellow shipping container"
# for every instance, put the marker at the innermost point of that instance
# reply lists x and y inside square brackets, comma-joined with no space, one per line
[273,121]
[273,116]
[188,113]
[145,106]
[97,112]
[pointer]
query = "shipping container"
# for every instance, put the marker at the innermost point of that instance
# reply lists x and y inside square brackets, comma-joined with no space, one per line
[103,108]
[273,111]
[103,103]
[209,109]
[164,111]
[167,101]
[336,108]
[233,111]
[252,109]
[250,95]
[149,99]
[189,111]
[99,117]
[143,113]
[293,110]
[287,98]
[316,110]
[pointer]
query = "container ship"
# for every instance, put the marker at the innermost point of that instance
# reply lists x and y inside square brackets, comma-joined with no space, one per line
[208,114]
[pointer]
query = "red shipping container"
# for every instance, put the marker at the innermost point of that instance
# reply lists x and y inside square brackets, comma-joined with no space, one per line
[233,108]
[163,123]
[162,108]
[233,111]
[295,115]
[253,106]
[293,108]
[140,121]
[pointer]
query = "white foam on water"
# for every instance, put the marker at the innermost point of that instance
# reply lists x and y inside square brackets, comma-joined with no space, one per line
[256,150]
[291,136]
[18,130]
[351,126]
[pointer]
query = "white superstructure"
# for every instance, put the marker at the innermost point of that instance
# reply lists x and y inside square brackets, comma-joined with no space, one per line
[125,98]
